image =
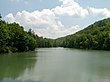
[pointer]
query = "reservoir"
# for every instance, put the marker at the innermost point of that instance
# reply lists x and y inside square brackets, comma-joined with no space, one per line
[56,65]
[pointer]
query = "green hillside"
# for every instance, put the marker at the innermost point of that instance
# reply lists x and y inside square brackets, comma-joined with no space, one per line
[95,36]
[13,38]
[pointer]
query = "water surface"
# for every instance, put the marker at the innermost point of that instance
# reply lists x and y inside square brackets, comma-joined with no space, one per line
[56,65]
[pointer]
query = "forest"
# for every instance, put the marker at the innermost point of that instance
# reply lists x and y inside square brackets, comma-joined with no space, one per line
[96,36]
[13,38]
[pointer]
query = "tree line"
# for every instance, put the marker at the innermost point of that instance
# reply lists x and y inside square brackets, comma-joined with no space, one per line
[13,38]
[95,36]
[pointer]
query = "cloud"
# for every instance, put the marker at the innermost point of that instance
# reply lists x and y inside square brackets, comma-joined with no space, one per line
[44,23]
[104,12]
[10,18]
[70,8]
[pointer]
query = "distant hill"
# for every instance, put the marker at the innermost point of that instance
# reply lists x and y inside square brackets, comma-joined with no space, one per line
[95,36]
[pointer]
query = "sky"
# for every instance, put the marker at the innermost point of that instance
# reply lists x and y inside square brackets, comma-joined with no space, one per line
[54,18]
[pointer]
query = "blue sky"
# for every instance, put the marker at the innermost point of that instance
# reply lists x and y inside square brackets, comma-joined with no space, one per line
[54,18]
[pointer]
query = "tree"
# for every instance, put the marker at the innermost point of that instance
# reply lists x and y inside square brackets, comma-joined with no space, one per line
[13,38]
[95,36]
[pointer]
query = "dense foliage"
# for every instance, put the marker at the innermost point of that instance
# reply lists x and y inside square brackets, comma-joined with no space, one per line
[95,36]
[13,38]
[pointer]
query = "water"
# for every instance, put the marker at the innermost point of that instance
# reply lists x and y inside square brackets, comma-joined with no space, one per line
[56,65]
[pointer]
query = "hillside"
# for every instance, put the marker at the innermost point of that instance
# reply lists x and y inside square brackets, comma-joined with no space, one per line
[95,36]
[13,38]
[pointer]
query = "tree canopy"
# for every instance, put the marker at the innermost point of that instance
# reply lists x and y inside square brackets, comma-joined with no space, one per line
[13,38]
[95,36]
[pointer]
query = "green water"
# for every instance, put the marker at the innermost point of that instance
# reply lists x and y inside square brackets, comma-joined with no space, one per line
[56,65]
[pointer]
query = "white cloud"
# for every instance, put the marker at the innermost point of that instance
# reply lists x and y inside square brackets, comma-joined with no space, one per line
[10,18]
[44,23]
[104,12]
[70,8]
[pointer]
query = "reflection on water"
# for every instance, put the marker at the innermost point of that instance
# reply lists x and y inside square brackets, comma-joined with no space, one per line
[14,65]
[56,65]
[99,67]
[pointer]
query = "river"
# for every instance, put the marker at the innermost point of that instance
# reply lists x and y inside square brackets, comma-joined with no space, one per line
[56,65]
